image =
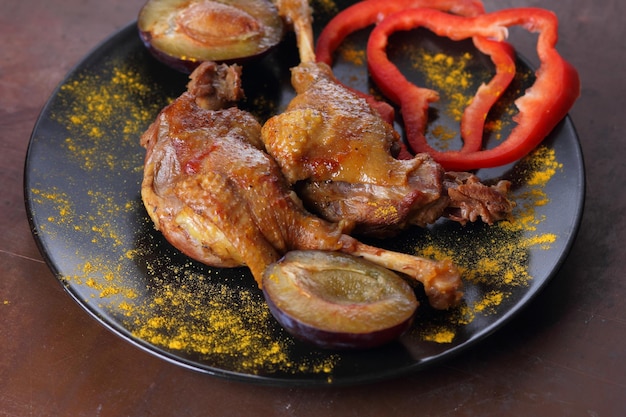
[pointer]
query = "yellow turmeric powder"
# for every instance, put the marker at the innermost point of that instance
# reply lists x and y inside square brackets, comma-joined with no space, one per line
[497,257]
[93,111]
[172,304]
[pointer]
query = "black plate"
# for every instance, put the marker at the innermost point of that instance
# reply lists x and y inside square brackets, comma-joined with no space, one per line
[82,177]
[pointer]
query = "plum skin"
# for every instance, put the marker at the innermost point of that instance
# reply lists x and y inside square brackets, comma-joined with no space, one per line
[305,296]
[337,341]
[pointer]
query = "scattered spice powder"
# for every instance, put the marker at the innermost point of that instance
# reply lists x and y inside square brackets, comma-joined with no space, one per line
[496,257]
[440,336]
[354,55]
[449,76]
[62,210]
[351,54]
[443,136]
[456,78]
[324,8]
[161,298]
[92,115]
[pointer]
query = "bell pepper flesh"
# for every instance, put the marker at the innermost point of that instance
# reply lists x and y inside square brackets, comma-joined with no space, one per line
[475,114]
[368,12]
[540,109]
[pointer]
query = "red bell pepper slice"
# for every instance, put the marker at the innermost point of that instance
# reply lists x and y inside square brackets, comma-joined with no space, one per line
[415,101]
[541,108]
[502,55]
[368,12]
[365,13]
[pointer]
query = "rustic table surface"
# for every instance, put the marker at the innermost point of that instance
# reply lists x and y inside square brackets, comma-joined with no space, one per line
[564,355]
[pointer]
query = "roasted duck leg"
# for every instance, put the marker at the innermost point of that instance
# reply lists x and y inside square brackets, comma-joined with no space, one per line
[217,196]
[338,153]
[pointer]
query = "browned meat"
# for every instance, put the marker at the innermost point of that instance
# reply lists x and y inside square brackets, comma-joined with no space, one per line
[470,200]
[339,154]
[219,198]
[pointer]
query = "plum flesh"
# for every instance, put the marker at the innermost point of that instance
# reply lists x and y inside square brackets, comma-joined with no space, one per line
[183,33]
[338,301]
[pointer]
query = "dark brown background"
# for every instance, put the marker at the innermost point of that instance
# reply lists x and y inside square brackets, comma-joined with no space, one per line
[565,355]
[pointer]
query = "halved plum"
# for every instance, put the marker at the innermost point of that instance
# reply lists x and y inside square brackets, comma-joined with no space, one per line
[184,33]
[338,301]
